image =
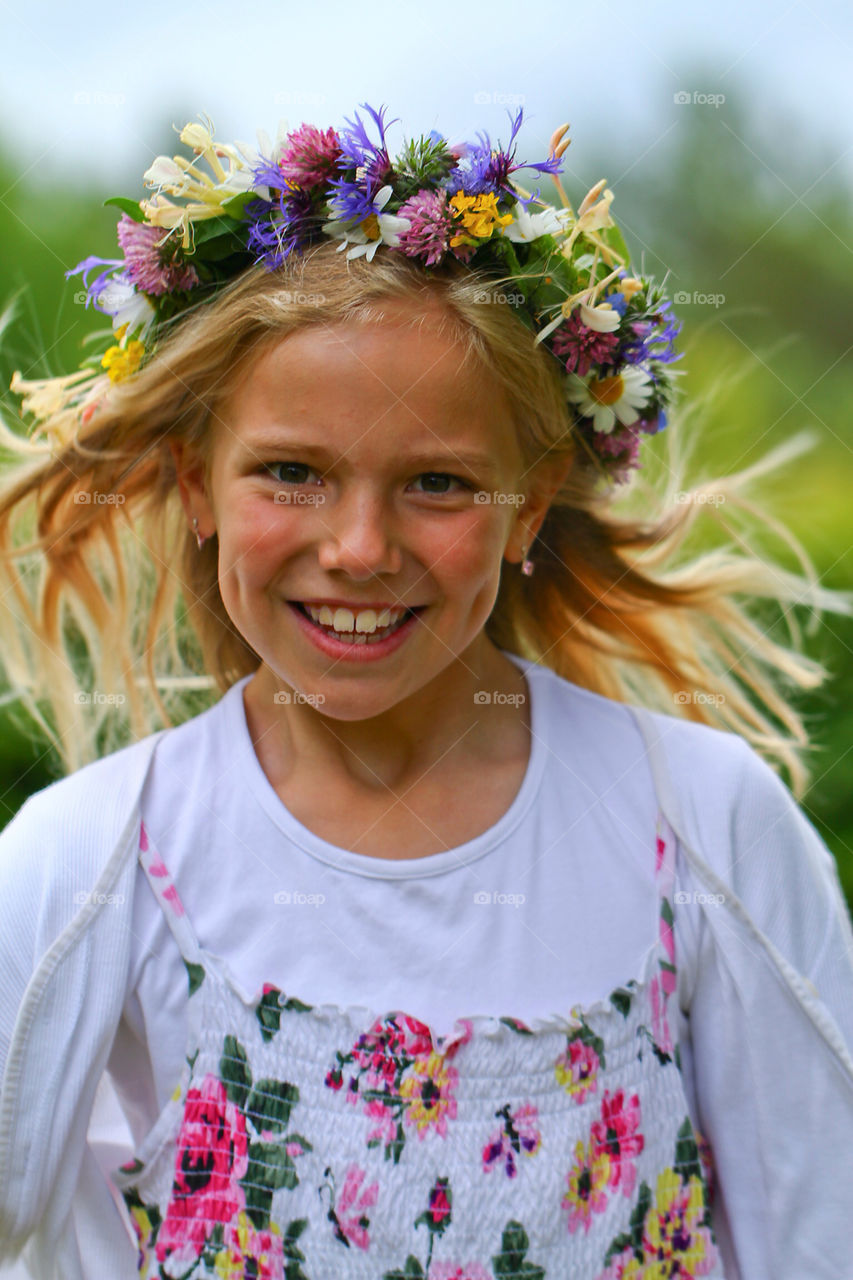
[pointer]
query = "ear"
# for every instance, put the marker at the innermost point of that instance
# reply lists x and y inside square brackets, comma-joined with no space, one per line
[545,482]
[192,485]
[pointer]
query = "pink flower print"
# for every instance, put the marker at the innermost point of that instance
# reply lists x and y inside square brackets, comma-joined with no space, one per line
[351,1205]
[617,1133]
[428,1091]
[251,1252]
[587,1181]
[659,852]
[385,1128]
[576,1069]
[520,1133]
[143,837]
[212,1157]
[415,1036]
[660,1022]
[458,1271]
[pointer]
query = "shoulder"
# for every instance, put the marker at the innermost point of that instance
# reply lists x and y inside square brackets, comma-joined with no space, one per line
[696,754]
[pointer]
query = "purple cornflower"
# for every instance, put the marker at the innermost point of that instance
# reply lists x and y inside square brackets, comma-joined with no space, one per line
[96,288]
[429,234]
[580,346]
[278,227]
[486,170]
[659,332]
[148,267]
[310,156]
[358,152]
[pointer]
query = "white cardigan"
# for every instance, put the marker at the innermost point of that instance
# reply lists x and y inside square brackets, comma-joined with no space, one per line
[67,874]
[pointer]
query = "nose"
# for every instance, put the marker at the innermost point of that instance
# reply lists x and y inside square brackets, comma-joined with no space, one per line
[357,538]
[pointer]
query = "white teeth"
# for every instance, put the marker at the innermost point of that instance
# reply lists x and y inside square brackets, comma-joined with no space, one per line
[364,622]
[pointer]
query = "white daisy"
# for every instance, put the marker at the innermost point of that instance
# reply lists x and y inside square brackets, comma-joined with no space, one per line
[386,229]
[606,399]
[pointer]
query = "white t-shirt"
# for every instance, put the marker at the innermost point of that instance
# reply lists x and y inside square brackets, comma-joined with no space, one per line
[554,905]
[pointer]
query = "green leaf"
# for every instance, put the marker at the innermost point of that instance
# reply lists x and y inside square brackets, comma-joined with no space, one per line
[270,1166]
[196,975]
[130,207]
[235,205]
[270,1104]
[235,1072]
[621,999]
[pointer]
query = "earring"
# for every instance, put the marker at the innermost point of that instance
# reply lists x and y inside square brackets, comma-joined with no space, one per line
[198,537]
[527,566]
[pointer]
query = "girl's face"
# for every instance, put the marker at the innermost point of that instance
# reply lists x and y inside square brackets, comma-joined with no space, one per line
[358,466]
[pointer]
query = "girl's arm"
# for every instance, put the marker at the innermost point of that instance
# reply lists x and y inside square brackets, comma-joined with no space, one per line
[770,1020]
[64,952]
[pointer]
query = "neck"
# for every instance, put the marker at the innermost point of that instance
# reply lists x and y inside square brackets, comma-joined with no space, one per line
[428,731]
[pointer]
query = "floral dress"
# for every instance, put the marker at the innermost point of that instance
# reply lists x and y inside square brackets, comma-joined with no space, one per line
[327,1143]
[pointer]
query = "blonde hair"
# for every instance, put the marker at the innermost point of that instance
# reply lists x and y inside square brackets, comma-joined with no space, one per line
[115,596]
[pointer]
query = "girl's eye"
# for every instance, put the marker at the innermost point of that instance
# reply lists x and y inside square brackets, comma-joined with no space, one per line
[274,467]
[279,470]
[443,475]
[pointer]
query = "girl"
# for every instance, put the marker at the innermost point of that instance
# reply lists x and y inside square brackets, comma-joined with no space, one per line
[466,934]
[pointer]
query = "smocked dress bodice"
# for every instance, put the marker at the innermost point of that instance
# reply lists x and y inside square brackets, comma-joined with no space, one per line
[319,1142]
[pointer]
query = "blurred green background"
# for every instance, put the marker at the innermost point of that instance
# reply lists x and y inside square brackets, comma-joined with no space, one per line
[771,245]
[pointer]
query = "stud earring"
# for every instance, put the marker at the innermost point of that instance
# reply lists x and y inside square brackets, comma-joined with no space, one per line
[198,537]
[527,566]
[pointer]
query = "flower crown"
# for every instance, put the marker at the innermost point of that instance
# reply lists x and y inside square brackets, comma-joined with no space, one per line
[565,274]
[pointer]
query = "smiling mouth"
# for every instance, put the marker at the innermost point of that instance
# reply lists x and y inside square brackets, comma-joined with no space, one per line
[349,633]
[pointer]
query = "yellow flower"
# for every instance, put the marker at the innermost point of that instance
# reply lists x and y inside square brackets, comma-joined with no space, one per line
[587,1181]
[428,1092]
[675,1216]
[479,216]
[122,362]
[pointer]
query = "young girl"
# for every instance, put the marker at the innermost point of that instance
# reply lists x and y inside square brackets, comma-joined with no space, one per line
[466,935]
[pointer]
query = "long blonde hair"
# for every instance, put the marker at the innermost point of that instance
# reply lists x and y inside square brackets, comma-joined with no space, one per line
[115,614]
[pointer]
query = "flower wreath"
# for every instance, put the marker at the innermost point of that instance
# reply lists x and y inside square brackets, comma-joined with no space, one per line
[612,332]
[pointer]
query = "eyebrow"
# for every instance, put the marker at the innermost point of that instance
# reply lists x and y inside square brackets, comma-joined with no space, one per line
[476,461]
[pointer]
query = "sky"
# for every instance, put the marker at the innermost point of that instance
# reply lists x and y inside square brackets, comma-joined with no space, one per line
[90,91]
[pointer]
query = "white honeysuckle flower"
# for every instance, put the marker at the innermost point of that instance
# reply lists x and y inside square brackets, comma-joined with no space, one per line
[529,226]
[603,318]
[165,172]
[607,399]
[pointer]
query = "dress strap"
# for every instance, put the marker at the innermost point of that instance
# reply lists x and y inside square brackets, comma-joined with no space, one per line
[167,895]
